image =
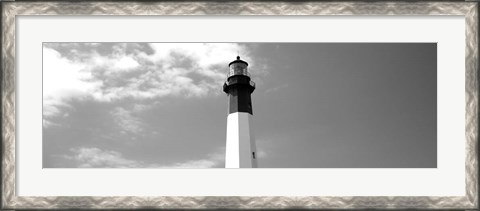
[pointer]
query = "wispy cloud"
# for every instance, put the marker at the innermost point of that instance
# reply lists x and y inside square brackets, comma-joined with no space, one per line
[274,89]
[262,154]
[213,160]
[97,158]
[126,121]
[92,157]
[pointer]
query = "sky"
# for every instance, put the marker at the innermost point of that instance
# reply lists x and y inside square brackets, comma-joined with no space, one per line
[316,105]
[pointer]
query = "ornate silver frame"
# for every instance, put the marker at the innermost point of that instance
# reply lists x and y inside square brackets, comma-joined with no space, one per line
[11,9]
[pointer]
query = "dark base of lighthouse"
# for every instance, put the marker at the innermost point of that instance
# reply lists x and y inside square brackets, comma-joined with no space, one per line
[240,101]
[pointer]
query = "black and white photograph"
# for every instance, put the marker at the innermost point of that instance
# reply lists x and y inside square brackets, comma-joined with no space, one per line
[239,105]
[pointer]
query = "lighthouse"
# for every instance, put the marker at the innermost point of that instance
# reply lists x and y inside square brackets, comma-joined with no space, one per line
[240,147]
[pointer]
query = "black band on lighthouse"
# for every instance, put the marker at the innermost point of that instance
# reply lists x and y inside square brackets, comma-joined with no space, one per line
[239,87]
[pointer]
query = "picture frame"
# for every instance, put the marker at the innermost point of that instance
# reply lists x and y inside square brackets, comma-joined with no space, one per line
[11,10]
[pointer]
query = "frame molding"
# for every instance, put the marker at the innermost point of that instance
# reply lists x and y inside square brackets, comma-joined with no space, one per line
[11,9]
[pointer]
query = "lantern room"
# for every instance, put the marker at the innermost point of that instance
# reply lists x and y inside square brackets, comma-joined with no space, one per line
[238,67]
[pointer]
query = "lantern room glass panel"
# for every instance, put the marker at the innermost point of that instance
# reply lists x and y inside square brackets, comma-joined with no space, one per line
[238,69]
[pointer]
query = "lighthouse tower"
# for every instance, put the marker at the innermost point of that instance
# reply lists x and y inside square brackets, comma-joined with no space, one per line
[240,148]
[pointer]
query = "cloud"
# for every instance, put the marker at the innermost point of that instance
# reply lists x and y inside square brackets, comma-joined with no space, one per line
[213,160]
[264,149]
[92,157]
[63,80]
[113,72]
[126,121]
[97,158]
[274,89]
[261,154]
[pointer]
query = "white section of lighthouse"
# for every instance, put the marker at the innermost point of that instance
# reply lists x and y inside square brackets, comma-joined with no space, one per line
[240,148]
